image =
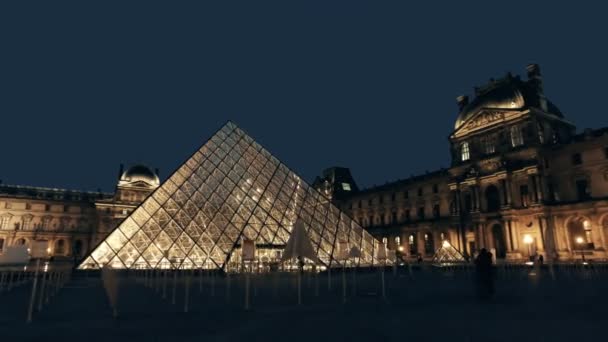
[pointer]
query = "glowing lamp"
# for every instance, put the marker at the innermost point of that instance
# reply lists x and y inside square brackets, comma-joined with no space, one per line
[579,240]
[400,248]
[446,244]
[528,239]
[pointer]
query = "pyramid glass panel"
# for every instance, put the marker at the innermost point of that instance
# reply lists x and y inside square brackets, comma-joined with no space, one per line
[230,189]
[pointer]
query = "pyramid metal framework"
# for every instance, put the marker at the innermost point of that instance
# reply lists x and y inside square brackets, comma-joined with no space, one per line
[228,190]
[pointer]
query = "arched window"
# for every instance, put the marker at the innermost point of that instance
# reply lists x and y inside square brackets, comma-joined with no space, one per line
[384,241]
[580,234]
[411,240]
[1,244]
[428,244]
[77,248]
[20,242]
[517,139]
[397,241]
[60,247]
[465,154]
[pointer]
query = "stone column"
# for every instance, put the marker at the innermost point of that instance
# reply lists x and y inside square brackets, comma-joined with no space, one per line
[420,237]
[508,190]
[503,192]
[507,234]
[475,192]
[539,188]
[514,235]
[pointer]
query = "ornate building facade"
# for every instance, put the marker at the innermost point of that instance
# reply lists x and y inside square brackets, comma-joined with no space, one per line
[71,222]
[522,182]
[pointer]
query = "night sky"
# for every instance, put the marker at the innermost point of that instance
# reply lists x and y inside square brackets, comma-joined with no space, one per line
[85,87]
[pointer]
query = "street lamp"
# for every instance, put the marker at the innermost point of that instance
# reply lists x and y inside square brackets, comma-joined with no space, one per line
[580,241]
[528,240]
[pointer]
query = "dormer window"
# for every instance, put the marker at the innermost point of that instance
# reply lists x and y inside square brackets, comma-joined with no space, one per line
[464,151]
[517,139]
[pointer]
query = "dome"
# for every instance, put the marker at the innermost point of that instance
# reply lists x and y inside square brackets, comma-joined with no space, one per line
[140,173]
[508,93]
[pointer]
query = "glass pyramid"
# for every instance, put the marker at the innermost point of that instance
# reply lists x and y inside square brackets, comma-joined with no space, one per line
[229,190]
[447,254]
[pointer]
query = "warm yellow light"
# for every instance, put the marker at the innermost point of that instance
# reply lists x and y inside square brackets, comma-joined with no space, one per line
[48,250]
[446,244]
[528,239]
[580,240]
[400,248]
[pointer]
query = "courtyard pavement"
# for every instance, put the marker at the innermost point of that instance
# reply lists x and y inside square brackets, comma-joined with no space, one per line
[424,304]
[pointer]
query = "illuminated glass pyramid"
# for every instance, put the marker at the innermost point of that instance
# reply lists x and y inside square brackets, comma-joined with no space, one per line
[229,190]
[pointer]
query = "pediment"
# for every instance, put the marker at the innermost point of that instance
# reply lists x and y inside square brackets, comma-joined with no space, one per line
[485,118]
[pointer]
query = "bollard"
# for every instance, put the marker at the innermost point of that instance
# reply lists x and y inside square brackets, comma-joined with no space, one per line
[299,287]
[343,284]
[174,286]
[187,294]
[42,289]
[33,296]
[247,291]
[165,284]
[227,287]
[212,284]
[10,280]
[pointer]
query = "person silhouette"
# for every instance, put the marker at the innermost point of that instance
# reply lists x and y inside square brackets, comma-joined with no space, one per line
[484,274]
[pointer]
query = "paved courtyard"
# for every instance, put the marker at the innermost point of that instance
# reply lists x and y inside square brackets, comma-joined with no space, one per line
[426,304]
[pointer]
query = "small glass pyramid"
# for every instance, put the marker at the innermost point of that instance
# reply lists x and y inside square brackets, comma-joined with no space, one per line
[447,254]
[229,190]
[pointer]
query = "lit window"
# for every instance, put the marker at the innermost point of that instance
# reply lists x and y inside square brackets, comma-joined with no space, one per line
[488,145]
[398,241]
[465,153]
[345,186]
[517,139]
[587,228]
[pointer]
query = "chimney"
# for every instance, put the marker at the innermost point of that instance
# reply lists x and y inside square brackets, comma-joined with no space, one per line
[120,170]
[462,100]
[536,81]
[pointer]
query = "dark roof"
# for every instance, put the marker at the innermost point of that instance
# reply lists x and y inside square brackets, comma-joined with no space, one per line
[506,93]
[140,170]
[42,193]
[404,182]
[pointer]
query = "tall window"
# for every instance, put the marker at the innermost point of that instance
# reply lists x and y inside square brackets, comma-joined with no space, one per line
[582,189]
[406,194]
[465,154]
[436,212]
[394,217]
[421,213]
[60,247]
[397,241]
[4,222]
[577,159]
[517,138]
[26,222]
[419,191]
[411,241]
[435,188]
[407,215]
[524,194]
[371,220]
[428,244]
[488,145]
[541,133]
[1,244]
[606,152]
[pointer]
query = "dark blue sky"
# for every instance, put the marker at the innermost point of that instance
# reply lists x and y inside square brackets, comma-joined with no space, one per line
[372,87]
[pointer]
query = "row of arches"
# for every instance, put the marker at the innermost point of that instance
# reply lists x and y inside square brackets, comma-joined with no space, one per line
[59,247]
